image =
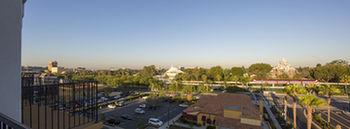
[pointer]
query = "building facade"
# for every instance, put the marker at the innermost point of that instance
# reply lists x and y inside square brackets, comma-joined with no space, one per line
[172,72]
[231,111]
[53,67]
[283,70]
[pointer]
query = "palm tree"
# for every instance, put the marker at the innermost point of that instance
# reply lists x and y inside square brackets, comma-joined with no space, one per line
[312,89]
[293,91]
[245,80]
[329,91]
[310,102]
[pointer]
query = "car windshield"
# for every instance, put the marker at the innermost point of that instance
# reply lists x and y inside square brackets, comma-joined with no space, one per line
[155,120]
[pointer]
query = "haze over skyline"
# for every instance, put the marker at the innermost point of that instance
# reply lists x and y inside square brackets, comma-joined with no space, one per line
[205,33]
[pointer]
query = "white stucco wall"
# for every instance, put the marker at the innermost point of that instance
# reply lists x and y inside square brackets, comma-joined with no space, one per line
[10,57]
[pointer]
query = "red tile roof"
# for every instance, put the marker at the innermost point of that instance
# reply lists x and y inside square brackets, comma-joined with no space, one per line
[215,104]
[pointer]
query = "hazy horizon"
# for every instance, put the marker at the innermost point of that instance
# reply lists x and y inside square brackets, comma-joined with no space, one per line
[106,67]
[130,34]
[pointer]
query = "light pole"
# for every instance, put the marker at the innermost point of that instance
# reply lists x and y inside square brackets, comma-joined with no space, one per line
[168,115]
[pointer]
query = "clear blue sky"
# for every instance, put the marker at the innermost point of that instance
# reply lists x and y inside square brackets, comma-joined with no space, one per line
[132,33]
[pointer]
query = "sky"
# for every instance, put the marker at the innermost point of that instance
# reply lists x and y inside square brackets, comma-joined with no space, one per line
[100,34]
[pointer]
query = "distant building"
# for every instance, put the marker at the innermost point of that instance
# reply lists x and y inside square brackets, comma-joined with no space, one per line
[55,70]
[53,67]
[79,69]
[231,111]
[32,69]
[283,70]
[182,68]
[172,72]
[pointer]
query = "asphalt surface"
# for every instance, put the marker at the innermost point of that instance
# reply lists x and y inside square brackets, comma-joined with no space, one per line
[340,118]
[137,119]
[340,103]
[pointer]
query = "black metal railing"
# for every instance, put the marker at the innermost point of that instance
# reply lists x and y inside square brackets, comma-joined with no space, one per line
[9,123]
[59,105]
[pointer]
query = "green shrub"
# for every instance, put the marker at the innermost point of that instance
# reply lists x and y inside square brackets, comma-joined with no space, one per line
[211,127]
[235,89]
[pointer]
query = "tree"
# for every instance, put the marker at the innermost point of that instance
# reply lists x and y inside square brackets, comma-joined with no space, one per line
[175,86]
[237,73]
[303,73]
[329,91]
[345,79]
[188,90]
[149,71]
[293,91]
[310,102]
[155,85]
[204,88]
[205,79]
[331,72]
[216,73]
[227,76]
[245,80]
[260,70]
[312,89]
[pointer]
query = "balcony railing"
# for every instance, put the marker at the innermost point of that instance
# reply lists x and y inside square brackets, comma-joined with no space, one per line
[9,123]
[58,105]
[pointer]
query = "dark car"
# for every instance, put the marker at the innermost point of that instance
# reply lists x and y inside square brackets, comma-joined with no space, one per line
[126,117]
[112,122]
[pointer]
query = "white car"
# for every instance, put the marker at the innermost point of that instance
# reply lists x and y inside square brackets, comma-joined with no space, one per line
[183,105]
[111,106]
[155,122]
[142,106]
[139,111]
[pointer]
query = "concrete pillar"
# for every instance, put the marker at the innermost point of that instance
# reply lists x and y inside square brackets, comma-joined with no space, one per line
[11,13]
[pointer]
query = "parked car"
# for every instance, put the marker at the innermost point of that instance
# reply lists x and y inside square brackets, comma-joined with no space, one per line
[111,106]
[155,122]
[126,117]
[184,105]
[120,104]
[102,99]
[142,106]
[112,122]
[116,97]
[139,111]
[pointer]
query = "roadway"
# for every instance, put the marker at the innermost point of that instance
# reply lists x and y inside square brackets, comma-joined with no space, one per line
[337,117]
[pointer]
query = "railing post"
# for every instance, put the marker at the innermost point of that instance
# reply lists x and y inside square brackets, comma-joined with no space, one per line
[96,102]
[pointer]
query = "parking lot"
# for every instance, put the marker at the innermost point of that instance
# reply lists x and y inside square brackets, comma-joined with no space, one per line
[165,111]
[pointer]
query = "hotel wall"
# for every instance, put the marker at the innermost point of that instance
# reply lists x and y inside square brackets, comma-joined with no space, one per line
[11,13]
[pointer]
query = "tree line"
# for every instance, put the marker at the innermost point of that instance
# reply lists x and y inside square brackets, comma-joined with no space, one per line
[335,71]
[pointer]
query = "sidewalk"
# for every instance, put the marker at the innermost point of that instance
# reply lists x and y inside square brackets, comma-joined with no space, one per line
[168,123]
[188,126]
